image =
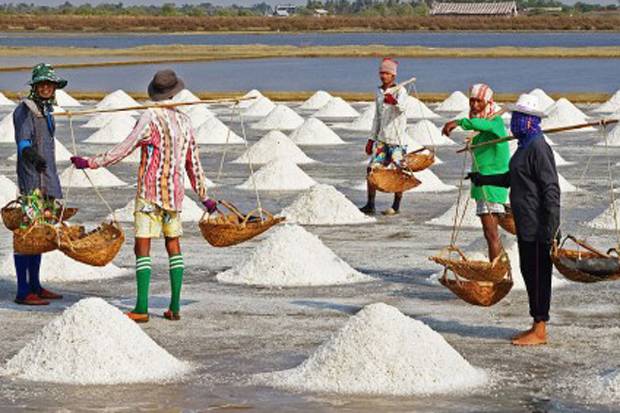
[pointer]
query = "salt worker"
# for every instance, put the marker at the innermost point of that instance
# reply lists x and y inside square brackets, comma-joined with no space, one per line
[168,148]
[387,143]
[535,200]
[490,159]
[37,175]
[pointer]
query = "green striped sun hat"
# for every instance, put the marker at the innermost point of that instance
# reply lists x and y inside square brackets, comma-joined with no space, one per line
[45,72]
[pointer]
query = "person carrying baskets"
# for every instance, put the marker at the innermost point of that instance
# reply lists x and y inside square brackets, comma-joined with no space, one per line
[168,147]
[37,175]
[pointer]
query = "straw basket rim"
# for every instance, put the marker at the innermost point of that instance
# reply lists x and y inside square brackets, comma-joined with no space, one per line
[392,180]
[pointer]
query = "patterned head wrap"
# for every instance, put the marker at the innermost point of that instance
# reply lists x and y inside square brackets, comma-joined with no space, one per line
[525,127]
[388,65]
[485,93]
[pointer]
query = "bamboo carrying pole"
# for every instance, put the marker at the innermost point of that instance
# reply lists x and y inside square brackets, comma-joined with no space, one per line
[399,85]
[602,122]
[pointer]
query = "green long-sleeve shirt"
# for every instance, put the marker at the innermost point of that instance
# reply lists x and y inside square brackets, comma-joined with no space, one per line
[489,159]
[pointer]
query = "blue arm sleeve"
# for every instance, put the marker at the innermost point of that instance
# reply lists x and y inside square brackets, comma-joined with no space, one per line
[24,127]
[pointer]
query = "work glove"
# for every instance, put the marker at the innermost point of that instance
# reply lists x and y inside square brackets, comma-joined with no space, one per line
[369,146]
[475,178]
[389,99]
[210,205]
[31,156]
[79,162]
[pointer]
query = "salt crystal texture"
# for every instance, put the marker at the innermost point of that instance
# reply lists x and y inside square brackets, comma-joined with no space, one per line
[431,183]
[259,108]
[564,113]
[274,145]
[565,186]
[315,132]
[102,119]
[101,177]
[364,121]
[4,101]
[316,101]
[611,105]
[198,115]
[292,257]
[8,190]
[456,102]
[545,101]
[93,342]
[324,205]
[191,211]
[613,137]
[57,267]
[471,220]
[380,351]
[66,100]
[336,108]
[416,109]
[115,131]
[279,175]
[606,386]
[606,219]
[7,130]
[426,133]
[280,118]
[115,100]
[214,132]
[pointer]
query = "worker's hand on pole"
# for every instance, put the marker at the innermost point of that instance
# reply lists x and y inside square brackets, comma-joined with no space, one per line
[449,127]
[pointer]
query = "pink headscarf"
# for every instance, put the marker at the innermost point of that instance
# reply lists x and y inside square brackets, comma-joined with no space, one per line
[485,93]
[388,65]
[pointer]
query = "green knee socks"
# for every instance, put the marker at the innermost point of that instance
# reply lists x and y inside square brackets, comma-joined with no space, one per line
[176,281]
[143,278]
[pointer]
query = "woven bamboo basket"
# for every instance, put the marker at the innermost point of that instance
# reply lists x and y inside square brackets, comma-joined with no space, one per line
[474,270]
[97,248]
[34,240]
[507,221]
[234,228]
[481,293]
[12,215]
[560,254]
[419,160]
[392,180]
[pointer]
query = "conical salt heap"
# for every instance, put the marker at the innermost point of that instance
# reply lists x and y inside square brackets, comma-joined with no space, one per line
[471,220]
[364,121]
[198,115]
[252,96]
[274,145]
[613,138]
[336,108]
[380,351]
[324,205]
[314,132]
[544,99]
[259,108]
[191,211]
[101,177]
[431,183]
[115,131]
[7,130]
[185,96]
[4,101]
[564,113]
[115,100]
[93,342]
[292,257]
[565,186]
[605,220]
[426,133]
[316,101]
[611,105]
[214,132]
[416,109]
[279,175]
[8,190]
[66,100]
[456,102]
[280,118]
[102,119]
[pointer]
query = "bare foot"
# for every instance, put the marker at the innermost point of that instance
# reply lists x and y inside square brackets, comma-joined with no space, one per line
[535,337]
[521,334]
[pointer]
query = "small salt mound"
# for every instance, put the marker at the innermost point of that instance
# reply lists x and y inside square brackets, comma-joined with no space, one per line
[336,108]
[8,190]
[565,186]
[274,145]
[4,101]
[416,109]
[564,113]
[185,96]
[280,118]
[57,267]
[613,138]
[93,342]
[65,99]
[315,132]
[612,105]
[102,119]
[191,211]
[559,160]
[7,130]
[62,153]
[324,205]
[214,132]
[456,102]
[431,183]
[115,100]
[279,175]
[292,257]
[544,99]
[364,121]
[471,220]
[380,351]
[101,177]
[258,108]
[606,219]
[198,115]
[316,101]
[426,133]
[255,94]
[114,132]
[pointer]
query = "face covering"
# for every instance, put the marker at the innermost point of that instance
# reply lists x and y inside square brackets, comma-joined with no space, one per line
[525,128]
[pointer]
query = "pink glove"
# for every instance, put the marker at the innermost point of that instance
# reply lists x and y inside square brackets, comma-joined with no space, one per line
[210,205]
[390,99]
[79,162]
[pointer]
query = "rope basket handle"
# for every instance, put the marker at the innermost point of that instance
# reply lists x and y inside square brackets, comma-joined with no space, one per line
[454,248]
[15,201]
[258,211]
[586,246]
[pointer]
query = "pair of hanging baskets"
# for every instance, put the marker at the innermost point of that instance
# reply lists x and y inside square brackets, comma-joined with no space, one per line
[419,160]
[589,266]
[13,215]
[392,179]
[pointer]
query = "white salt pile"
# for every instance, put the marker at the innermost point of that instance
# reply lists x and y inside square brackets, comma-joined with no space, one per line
[66,100]
[4,101]
[61,153]
[611,105]
[102,119]
[280,118]
[115,100]
[613,137]
[471,220]
[292,257]
[565,186]
[336,108]
[559,160]
[274,145]
[316,101]
[380,351]
[315,132]
[364,121]
[324,205]
[545,101]
[259,108]
[191,211]
[426,133]
[279,175]
[431,183]
[416,109]
[198,115]
[57,267]
[253,96]
[185,96]
[606,219]
[8,190]
[456,102]
[564,113]
[214,132]
[114,131]
[93,342]
[7,130]
[101,177]
[58,109]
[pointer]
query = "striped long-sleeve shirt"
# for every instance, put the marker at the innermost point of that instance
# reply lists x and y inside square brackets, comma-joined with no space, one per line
[166,139]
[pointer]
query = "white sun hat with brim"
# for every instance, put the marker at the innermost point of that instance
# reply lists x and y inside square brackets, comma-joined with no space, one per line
[528,104]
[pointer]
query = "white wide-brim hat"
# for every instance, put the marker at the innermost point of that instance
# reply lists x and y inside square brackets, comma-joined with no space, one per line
[528,104]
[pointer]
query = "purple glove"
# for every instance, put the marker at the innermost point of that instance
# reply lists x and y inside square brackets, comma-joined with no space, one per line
[79,162]
[210,205]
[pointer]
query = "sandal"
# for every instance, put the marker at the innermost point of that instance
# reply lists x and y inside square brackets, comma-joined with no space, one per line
[172,316]
[138,317]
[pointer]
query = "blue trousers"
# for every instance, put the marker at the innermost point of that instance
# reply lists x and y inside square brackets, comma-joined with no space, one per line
[27,268]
